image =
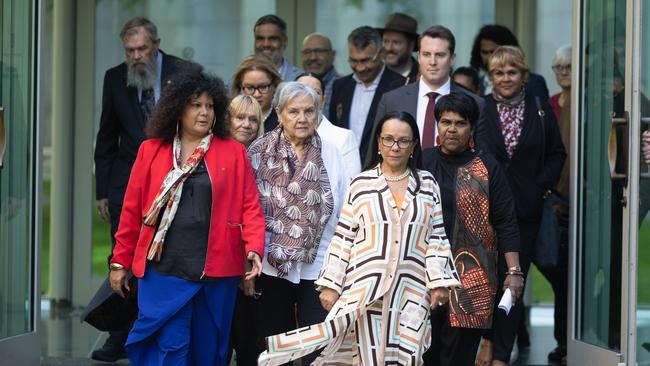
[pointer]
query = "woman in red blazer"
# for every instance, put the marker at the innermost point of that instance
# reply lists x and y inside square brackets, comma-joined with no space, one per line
[191,216]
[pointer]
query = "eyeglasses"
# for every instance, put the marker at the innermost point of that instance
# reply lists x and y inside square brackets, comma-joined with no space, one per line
[367,62]
[388,141]
[250,89]
[562,68]
[314,51]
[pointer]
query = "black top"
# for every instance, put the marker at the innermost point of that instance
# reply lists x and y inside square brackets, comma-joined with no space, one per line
[186,242]
[502,210]
[537,161]
[271,121]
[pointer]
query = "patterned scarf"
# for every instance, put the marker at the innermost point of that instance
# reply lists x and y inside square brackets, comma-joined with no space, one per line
[296,197]
[169,194]
[511,116]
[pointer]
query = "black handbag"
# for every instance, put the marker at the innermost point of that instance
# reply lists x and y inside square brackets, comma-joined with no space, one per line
[546,252]
[107,311]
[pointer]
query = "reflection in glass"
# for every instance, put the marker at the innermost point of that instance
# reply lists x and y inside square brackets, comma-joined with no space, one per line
[601,196]
[16,197]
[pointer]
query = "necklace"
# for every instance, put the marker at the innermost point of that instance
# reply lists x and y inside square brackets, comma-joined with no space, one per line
[398,177]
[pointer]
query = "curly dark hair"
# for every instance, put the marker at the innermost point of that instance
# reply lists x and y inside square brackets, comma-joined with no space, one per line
[187,85]
[496,33]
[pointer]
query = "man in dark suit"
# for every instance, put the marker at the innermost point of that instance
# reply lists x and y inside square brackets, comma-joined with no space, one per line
[355,97]
[131,90]
[436,58]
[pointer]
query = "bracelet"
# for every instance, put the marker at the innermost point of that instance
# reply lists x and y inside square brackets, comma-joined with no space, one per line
[515,268]
[515,273]
[115,266]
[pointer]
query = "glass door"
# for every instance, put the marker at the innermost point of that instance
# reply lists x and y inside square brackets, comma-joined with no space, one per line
[599,212]
[611,268]
[19,343]
[641,124]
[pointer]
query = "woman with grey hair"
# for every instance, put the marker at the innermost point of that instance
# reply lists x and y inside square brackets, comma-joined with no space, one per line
[302,183]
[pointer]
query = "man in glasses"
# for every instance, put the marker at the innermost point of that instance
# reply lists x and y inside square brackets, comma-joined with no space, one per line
[355,97]
[318,58]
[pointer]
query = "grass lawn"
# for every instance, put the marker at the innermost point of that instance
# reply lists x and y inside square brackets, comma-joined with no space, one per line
[101,241]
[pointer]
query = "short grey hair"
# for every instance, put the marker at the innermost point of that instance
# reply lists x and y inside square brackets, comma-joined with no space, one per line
[365,36]
[562,56]
[289,90]
[129,28]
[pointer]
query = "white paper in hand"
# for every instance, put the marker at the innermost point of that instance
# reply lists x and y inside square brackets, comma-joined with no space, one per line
[506,301]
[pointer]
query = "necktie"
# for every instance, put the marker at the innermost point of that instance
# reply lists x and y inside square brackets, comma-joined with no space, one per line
[429,130]
[147,104]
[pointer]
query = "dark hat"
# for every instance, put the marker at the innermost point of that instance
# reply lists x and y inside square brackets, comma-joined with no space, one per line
[400,22]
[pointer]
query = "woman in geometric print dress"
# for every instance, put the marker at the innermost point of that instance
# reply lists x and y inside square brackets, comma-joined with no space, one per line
[387,265]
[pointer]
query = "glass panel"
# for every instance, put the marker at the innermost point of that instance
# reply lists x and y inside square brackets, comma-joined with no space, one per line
[16,195]
[601,210]
[217,34]
[464,18]
[643,249]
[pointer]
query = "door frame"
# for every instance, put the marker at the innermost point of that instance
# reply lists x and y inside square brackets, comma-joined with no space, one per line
[578,351]
[20,349]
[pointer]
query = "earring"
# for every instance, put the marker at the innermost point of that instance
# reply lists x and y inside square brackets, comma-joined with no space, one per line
[178,125]
[379,152]
[411,156]
[437,140]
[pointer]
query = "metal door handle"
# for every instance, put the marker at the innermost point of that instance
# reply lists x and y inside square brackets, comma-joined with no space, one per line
[3,136]
[645,121]
[612,146]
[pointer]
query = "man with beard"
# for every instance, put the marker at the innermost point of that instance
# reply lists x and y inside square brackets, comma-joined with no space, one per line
[355,96]
[131,90]
[271,41]
[318,58]
[400,41]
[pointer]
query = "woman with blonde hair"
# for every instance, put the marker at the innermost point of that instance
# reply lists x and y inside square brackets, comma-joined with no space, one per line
[243,118]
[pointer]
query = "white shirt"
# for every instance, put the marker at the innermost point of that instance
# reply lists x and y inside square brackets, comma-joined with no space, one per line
[423,100]
[361,101]
[339,181]
[346,143]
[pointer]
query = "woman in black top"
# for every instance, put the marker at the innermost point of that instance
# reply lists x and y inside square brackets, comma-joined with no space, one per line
[480,222]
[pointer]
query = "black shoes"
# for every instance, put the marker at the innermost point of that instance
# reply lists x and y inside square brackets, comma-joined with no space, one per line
[113,349]
[558,355]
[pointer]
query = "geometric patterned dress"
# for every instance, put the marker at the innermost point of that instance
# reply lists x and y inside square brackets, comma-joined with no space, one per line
[383,261]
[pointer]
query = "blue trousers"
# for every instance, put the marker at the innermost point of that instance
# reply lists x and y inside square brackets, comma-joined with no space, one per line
[182,322]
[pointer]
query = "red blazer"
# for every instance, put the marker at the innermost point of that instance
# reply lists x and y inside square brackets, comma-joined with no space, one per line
[237,220]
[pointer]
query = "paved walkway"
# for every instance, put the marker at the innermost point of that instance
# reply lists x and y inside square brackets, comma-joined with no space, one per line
[67,341]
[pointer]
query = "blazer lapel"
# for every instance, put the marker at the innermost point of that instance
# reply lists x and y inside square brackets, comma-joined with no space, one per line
[345,102]
[410,100]
[495,128]
[408,197]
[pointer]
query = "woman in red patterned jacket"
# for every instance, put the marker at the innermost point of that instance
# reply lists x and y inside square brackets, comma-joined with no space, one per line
[190,203]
